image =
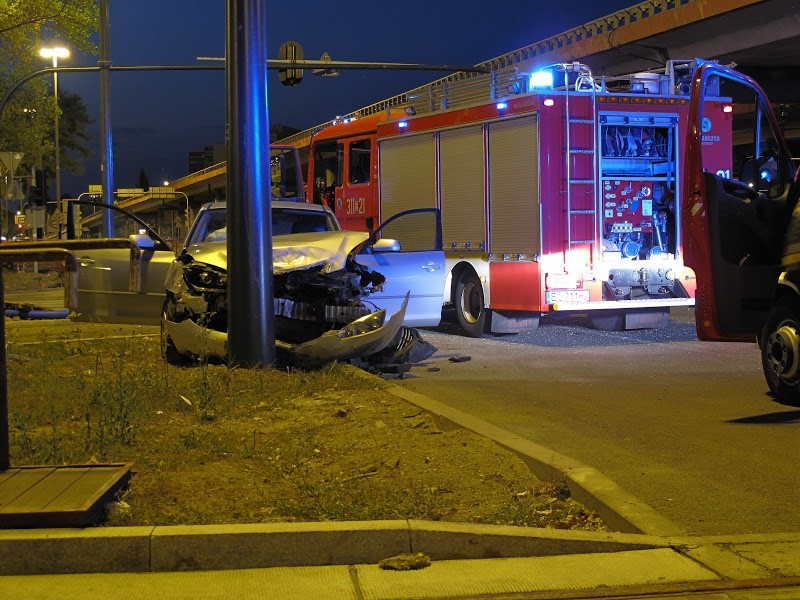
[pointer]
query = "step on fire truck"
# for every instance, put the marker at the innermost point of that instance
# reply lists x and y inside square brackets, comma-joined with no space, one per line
[557,190]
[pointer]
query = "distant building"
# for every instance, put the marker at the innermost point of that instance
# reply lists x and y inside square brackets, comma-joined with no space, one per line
[216,153]
[208,156]
[279,132]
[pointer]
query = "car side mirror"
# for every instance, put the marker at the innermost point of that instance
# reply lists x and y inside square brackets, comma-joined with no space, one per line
[143,241]
[386,245]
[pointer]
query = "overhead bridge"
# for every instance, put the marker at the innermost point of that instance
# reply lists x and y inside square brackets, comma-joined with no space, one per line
[761,36]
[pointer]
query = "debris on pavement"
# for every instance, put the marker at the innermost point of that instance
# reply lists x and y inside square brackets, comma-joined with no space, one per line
[406,562]
[460,358]
[408,348]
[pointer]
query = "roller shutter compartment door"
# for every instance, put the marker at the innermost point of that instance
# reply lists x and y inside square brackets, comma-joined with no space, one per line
[513,187]
[408,180]
[462,173]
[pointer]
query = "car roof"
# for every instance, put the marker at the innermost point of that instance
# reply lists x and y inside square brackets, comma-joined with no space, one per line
[276,204]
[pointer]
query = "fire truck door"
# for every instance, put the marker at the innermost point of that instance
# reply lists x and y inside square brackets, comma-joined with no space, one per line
[355,199]
[734,218]
[409,254]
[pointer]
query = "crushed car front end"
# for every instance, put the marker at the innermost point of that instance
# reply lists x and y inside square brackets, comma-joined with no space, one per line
[320,298]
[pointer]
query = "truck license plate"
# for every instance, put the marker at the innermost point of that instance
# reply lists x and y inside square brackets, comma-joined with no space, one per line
[553,297]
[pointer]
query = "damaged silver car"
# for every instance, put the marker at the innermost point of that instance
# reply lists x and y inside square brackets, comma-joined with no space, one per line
[332,292]
[338,295]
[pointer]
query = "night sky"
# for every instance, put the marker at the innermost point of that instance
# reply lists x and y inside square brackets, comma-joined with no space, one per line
[158,118]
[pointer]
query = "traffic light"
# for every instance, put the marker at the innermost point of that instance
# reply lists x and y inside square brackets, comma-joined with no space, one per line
[36,191]
[290,51]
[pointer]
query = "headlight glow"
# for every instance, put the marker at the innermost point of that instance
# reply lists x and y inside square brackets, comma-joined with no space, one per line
[364,324]
[204,278]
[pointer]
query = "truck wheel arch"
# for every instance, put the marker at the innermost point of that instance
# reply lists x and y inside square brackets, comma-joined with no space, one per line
[456,273]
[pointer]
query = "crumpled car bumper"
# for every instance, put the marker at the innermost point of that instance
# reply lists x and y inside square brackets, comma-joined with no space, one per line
[364,336]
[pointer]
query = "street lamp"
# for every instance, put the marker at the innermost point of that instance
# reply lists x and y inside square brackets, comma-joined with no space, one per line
[55,53]
[168,191]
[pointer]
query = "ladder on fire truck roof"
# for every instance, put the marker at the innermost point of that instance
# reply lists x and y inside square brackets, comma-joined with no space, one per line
[580,153]
[463,89]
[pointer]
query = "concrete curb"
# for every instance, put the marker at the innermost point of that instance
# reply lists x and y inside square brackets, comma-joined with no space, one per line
[619,509]
[212,547]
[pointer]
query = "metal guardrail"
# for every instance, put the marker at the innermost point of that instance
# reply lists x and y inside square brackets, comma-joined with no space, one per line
[176,183]
[72,246]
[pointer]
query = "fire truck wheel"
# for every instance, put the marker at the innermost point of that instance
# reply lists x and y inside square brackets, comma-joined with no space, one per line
[780,350]
[470,308]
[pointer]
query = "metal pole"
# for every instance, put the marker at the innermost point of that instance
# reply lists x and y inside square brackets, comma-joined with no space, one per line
[57,150]
[106,152]
[186,215]
[251,312]
[5,453]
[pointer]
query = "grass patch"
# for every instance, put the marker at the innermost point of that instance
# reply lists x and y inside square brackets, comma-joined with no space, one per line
[219,445]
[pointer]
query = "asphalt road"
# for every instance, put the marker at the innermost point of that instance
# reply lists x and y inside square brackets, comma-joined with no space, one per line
[686,426]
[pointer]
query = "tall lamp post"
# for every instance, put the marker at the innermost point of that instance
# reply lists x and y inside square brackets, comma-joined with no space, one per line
[167,190]
[55,53]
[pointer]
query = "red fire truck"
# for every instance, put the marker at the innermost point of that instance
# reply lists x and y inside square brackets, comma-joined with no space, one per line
[557,190]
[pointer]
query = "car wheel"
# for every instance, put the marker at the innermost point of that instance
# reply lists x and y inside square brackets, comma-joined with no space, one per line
[780,351]
[169,352]
[470,307]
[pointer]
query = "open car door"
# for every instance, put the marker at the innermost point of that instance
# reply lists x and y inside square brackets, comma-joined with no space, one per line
[409,254]
[122,279]
[734,218]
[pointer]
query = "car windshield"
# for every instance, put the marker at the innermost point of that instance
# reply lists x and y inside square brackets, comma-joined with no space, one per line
[211,225]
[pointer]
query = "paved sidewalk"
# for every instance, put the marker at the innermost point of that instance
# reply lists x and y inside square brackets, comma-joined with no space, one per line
[274,561]
[632,574]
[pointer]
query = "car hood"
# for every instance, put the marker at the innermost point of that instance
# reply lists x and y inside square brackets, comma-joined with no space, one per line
[291,252]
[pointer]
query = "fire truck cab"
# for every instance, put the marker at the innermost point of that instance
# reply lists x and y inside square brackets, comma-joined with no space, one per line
[742,227]
[558,191]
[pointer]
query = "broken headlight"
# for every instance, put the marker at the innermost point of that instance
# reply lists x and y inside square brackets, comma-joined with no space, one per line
[205,278]
[364,324]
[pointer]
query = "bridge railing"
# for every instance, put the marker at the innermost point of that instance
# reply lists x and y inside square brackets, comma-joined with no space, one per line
[505,63]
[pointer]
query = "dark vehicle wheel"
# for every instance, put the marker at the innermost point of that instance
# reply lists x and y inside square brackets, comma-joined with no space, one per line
[780,351]
[169,353]
[470,308]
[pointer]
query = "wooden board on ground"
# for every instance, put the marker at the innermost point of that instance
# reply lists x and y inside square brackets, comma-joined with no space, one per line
[58,496]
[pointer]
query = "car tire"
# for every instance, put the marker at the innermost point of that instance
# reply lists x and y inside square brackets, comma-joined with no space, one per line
[780,350]
[169,352]
[470,306]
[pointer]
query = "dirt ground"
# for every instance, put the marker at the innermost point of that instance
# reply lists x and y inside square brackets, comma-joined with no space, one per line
[218,445]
